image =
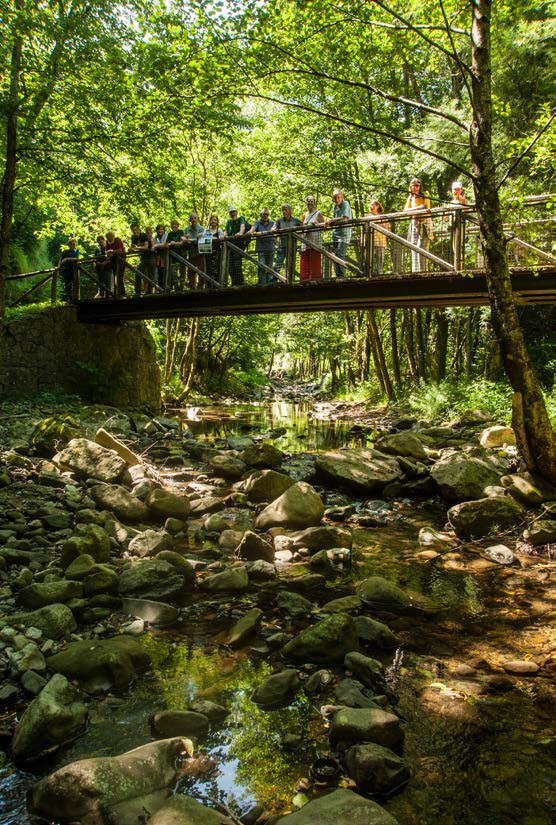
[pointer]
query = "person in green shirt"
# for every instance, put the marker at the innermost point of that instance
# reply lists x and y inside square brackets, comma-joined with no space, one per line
[234,230]
[175,241]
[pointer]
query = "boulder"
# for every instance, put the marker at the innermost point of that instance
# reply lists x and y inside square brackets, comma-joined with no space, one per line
[151,579]
[262,455]
[362,470]
[42,593]
[88,539]
[179,563]
[56,621]
[403,444]
[367,670]
[299,506]
[80,567]
[245,627]
[101,579]
[164,504]
[234,580]
[375,633]
[149,543]
[349,693]
[105,439]
[294,604]
[169,723]
[227,466]
[375,769]
[527,489]
[155,613]
[540,532]
[261,570]
[484,517]
[104,790]
[120,501]
[497,436]
[51,434]
[230,539]
[341,807]
[383,595]
[327,642]
[320,538]
[266,485]
[89,460]
[215,713]
[460,476]
[350,726]
[345,604]
[253,547]
[54,717]
[185,810]
[277,690]
[101,665]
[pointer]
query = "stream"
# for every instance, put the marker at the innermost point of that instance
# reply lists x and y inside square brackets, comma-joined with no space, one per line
[478,755]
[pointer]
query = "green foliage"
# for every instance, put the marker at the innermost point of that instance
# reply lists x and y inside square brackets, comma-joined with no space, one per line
[449,399]
[29,310]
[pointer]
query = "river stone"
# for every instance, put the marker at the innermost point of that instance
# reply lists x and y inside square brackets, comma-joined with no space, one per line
[460,476]
[402,444]
[88,539]
[261,570]
[28,658]
[360,469]
[320,538]
[214,712]
[294,604]
[497,436]
[151,579]
[164,504]
[150,543]
[381,594]
[234,580]
[262,455]
[277,690]
[80,567]
[331,561]
[179,563]
[325,643]
[185,810]
[375,769]
[540,532]
[435,539]
[349,693]
[475,519]
[341,807]
[54,432]
[353,725]
[253,547]
[155,613]
[240,442]
[187,723]
[123,789]
[32,682]
[521,668]
[367,670]
[266,485]
[375,633]
[43,593]
[56,621]
[299,506]
[89,460]
[120,501]
[101,579]
[500,554]
[244,628]
[345,604]
[227,466]
[54,717]
[102,664]
[527,489]
[230,539]
[105,439]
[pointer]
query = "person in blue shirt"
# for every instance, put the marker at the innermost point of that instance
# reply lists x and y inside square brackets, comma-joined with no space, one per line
[341,235]
[66,266]
[264,247]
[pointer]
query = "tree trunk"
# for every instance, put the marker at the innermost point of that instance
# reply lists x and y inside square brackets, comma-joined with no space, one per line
[441,349]
[535,437]
[394,346]
[378,356]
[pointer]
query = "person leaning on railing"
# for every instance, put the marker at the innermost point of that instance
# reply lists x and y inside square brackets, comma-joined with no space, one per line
[420,231]
[160,239]
[341,235]
[264,247]
[310,259]
[379,240]
[175,240]
[66,266]
[214,257]
[192,234]
[235,230]
[115,265]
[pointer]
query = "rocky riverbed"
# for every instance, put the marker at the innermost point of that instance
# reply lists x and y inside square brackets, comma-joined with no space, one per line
[198,621]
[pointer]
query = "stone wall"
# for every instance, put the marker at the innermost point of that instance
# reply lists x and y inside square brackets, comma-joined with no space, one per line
[48,351]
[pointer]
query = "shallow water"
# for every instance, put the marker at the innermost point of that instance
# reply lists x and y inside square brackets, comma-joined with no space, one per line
[476,758]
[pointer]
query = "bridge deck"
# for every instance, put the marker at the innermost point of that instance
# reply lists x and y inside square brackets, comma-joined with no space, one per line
[434,290]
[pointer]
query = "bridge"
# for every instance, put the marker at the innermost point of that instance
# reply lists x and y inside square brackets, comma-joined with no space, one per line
[193,283]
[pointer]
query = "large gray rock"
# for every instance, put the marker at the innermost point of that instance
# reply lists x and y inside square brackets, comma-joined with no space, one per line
[266,485]
[497,436]
[460,476]
[156,613]
[149,543]
[294,604]
[277,690]
[326,643]
[375,634]
[527,489]
[367,670]
[88,539]
[320,538]
[54,717]
[350,726]
[245,627]
[56,621]
[367,471]
[349,693]
[375,769]
[89,460]
[184,810]
[262,455]
[484,517]
[154,579]
[105,790]
[234,580]
[120,501]
[227,466]
[42,593]
[403,444]
[103,664]
[299,506]
[383,595]
[164,504]
[253,547]
[340,807]
[187,723]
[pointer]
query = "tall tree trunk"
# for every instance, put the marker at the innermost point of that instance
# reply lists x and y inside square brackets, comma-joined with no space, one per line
[10,161]
[378,355]
[441,349]
[410,344]
[421,346]
[394,347]
[535,436]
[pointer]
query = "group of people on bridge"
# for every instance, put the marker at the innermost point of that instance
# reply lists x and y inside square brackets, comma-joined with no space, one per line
[196,253]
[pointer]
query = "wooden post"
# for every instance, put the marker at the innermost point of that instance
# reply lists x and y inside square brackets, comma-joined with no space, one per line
[290,258]
[76,281]
[54,287]
[457,242]
[224,265]
[368,249]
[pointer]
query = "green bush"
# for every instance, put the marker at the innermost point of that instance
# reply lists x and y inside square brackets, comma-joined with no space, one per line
[449,399]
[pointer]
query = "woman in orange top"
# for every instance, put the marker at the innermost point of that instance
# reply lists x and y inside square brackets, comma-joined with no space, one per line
[420,229]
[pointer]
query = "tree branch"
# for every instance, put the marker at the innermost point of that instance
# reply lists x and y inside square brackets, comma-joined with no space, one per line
[520,157]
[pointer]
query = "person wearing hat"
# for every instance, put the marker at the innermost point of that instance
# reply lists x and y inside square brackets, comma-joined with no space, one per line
[235,229]
[341,235]
[457,224]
